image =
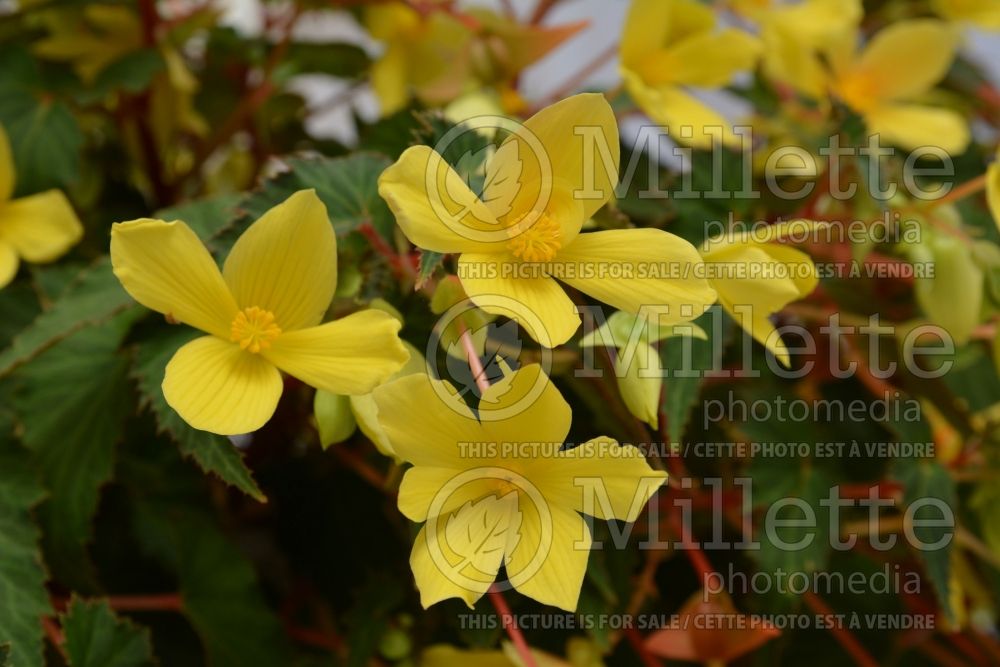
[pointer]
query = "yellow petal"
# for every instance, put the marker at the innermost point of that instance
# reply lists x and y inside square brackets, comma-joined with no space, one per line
[421,427]
[655,24]
[435,208]
[539,305]
[388,21]
[640,382]
[907,58]
[686,117]
[215,386]
[286,263]
[709,59]
[42,227]
[366,410]
[635,268]
[8,264]
[993,191]
[601,466]
[525,407]
[550,559]
[389,80]
[751,300]
[755,322]
[576,135]
[911,126]
[348,356]
[984,13]
[434,584]
[423,485]
[793,61]
[8,174]
[166,267]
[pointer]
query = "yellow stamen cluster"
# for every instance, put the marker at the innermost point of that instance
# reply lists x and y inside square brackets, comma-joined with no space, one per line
[254,329]
[534,237]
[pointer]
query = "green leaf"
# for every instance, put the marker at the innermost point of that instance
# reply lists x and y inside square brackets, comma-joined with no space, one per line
[72,402]
[683,358]
[132,73]
[809,486]
[339,60]
[213,453]
[95,637]
[44,138]
[429,262]
[19,305]
[926,478]
[221,593]
[347,185]
[24,599]
[207,217]
[94,297]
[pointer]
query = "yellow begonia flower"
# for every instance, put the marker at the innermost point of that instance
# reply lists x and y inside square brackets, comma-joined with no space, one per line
[983,13]
[792,35]
[503,491]
[262,311]
[885,81]
[38,228]
[437,57]
[670,45]
[756,276]
[542,184]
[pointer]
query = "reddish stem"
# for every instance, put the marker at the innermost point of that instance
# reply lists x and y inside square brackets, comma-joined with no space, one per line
[475,364]
[510,625]
[164,602]
[55,635]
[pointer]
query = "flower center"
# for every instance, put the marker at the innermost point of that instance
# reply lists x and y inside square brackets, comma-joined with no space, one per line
[254,329]
[534,237]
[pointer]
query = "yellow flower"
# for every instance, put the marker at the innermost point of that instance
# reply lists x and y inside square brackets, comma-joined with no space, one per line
[793,35]
[39,228]
[362,409]
[670,45]
[542,184]
[262,313]
[755,276]
[437,57]
[500,489]
[983,13]
[885,81]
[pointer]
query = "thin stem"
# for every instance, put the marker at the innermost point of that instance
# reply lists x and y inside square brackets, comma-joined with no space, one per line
[964,190]
[475,364]
[55,635]
[509,623]
[164,602]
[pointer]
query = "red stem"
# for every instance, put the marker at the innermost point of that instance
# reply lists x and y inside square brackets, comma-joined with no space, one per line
[510,625]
